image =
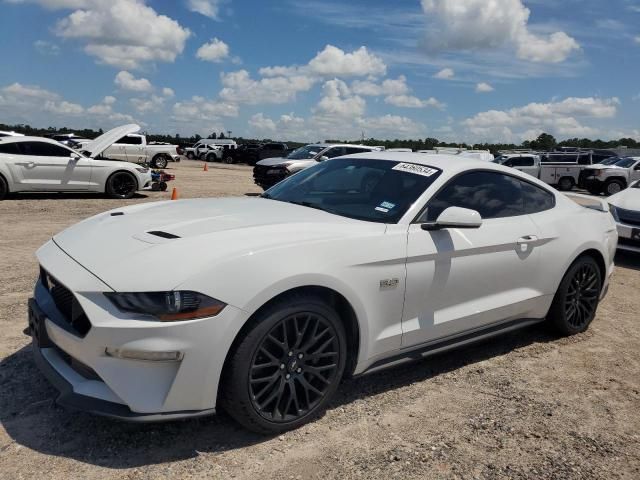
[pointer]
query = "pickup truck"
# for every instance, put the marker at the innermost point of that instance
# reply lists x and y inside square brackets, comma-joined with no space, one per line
[612,177]
[560,170]
[134,148]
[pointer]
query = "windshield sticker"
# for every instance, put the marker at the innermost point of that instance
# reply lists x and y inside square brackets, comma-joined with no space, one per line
[381,209]
[414,168]
[387,205]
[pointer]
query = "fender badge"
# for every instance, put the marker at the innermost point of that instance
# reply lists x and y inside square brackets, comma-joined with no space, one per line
[389,283]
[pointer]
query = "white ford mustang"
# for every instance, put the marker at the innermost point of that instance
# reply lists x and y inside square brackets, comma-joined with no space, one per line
[36,164]
[625,206]
[266,303]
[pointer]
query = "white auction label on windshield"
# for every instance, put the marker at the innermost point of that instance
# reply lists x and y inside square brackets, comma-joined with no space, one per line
[414,168]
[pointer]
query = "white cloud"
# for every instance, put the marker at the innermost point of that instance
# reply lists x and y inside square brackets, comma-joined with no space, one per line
[17,90]
[445,74]
[46,48]
[239,87]
[145,105]
[126,81]
[338,101]
[201,109]
[288,126]
[63,108]
[557,118]
[168,92]
[208,8]
[389,86]
[123,33]
[333,62]
[481,24]
[214,51]
[637,39]
[484,87]
[409,101]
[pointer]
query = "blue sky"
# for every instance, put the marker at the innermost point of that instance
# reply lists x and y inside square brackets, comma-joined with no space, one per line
[469,70]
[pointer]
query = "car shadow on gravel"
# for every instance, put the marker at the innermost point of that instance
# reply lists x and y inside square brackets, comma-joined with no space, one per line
[32,420]
[629,260]
[62,196]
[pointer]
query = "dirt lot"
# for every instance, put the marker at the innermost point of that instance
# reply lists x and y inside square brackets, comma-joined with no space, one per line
[527,405]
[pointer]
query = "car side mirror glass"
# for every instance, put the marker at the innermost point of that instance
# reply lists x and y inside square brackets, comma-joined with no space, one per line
[323,158]
[455,217]
[75,157]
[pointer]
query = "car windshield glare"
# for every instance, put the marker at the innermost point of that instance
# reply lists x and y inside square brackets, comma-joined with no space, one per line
[363,189]
[625,163]
[304,153]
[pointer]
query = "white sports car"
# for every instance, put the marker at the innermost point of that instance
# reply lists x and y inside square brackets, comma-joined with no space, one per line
[625,206]
[37,164]
[344,268]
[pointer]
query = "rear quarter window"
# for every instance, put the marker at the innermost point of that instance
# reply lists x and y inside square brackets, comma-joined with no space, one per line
[536,199]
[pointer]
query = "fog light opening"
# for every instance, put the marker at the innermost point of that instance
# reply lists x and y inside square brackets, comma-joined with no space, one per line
[171,356]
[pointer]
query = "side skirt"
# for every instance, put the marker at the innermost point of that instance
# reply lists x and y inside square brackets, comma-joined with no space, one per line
[418,352]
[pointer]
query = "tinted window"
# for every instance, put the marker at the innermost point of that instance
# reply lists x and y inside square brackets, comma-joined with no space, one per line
[352,150]
[584,159]
[560,158]
[42,149]
[10,148]
[536,199]
[493,195]
[520,162]
[127,140]
[334,152]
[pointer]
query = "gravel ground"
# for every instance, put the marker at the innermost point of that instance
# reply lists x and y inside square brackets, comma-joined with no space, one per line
[526,405]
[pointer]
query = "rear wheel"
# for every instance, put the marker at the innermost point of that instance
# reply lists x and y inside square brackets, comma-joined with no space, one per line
[228,159]
[287,367]
[190,155]
[4,188]
[121,185]
[576,301]
[565,184]
[614,186]
[159,161]
[211,157]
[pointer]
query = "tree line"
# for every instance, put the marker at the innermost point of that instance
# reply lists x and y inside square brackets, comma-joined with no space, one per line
[545,142]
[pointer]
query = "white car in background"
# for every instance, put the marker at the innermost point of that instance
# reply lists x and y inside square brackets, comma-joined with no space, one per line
[625,207]
[38,164]
[272,300]
[4,133]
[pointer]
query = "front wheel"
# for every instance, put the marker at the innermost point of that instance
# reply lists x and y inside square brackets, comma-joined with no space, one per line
[613,186]
[211,157]
[228,159]
[4,188]
[287,367]
[565,184]
[190,155]
[159,161]
[122,185]
[576,301]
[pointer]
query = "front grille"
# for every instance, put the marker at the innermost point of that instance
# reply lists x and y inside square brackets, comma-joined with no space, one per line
[67,304]
[261,178]
[80,368]
[629,217]
[628,241]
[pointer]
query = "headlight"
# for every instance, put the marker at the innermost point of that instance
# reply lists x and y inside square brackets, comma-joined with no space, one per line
[598,173]
[172,306]
[277,170]
[142,170]
[614,213]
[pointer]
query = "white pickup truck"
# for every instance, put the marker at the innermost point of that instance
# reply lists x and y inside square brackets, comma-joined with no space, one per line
[612,177]
[134,148]
[561,170]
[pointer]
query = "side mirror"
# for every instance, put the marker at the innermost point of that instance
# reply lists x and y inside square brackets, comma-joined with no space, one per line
[75,157]
[455,217]
[323,158]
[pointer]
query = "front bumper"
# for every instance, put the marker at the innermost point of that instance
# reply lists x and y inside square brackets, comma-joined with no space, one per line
[267,176]
[592,183]
[135,390]
[628,237]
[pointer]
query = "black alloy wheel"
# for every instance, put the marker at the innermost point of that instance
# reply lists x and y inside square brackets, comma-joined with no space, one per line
[159,161]
[293,368]
[121,185]
[286,367]
[576,301]
[4,189]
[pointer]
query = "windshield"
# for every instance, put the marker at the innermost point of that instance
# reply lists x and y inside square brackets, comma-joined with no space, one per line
[371,190]
[625,163]
[304,153]
[609,161]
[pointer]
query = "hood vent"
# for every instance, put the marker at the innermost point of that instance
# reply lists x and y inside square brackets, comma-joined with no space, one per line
[167,235]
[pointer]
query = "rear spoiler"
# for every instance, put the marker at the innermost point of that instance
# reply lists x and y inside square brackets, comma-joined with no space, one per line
[587,201]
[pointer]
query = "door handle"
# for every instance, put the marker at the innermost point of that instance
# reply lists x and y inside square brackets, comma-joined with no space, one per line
[527,239]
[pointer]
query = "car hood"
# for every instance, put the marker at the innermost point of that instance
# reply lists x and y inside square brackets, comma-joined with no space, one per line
[270,162]
[603,167]
[628,199]
[104,141]
[193,236]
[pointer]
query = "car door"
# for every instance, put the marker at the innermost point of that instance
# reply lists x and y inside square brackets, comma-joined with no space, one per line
[48,166]
[117,151]
[466,279]
[135,149]
[523,164]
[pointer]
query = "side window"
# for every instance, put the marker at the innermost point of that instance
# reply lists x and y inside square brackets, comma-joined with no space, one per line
[536,199]
[10,148]
[42,149]
[493,195]
[352,150]
[127,140]
[334,152]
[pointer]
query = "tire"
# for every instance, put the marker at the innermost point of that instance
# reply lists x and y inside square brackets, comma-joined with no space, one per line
[159,161]
[163,186]
[614,186]
[272,383]
[565,184]
[576,301]
[228,160]
[190,155]
[4,188]
[211,157]
[122,185]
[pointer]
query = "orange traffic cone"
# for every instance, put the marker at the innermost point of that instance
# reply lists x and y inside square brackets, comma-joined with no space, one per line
[174,194]
[206,167]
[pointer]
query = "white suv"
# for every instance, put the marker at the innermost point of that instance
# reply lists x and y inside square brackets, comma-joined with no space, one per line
[270,171]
